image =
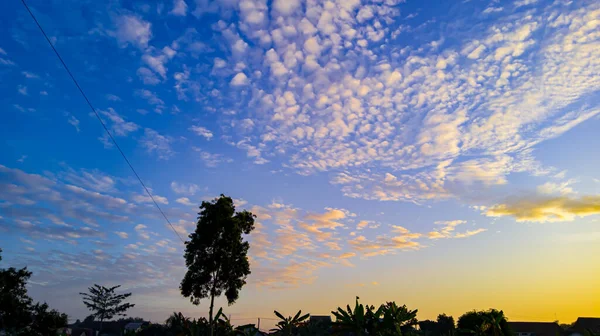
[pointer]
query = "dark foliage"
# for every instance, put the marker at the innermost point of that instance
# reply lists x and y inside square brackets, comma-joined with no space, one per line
[388,320]
[105,303]
[44,321]
[17,313]
[444,326]
[216,254]
[483,323]
[288,326]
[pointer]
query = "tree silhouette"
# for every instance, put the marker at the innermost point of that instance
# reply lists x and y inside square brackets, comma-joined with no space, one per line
[287,325]
[17,313]
[216,254]
[44,321]
[484,323]
[14,301]
[445,325]
[105,303]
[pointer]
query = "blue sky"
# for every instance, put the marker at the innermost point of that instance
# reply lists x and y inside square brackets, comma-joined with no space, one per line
[434,137]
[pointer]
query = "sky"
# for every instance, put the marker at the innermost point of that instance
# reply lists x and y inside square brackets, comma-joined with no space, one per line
[440,154]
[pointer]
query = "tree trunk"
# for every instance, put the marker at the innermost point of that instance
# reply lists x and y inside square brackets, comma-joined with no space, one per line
[212,303]
[101,321]
[210,312]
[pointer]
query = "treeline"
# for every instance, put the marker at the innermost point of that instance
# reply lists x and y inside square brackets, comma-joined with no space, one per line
[18,314]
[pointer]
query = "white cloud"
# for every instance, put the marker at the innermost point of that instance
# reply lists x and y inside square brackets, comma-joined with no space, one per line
[156,143]
[112,97]
[184,201]
[152,99]
[493,9]
[211,159]
[179,8]
[30,75]
[145,198]
[121,234]
[118,125]
[147,76]
[22,90]
[142,232]
[74,122]
[132,29]
[201,131]
[186,189]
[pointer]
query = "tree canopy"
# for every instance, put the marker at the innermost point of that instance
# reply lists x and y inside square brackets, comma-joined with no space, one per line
[216,254]
[484,323]
[105,303]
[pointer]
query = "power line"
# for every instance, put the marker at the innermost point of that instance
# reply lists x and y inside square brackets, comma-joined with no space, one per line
[100,119]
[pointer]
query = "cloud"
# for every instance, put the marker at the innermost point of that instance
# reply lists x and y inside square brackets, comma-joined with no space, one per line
[239,80]
[185,201]
[553,188]
[201,131]
[185,188]
[74,122]
[122,234]
[210,159]
[112,97]
[179,8]
[158,144]
[492,9]
[286,7]
[448,230]
[152,99]
[117,124]
[22,90]
[144,198]
[469,233]
[30,75]
[331,94]
[147,76]
[547,209]
[347,255]
[157,59]
[327,220]
[132,29]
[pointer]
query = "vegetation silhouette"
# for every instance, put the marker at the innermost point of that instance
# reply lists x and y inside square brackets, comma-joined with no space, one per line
[216,254]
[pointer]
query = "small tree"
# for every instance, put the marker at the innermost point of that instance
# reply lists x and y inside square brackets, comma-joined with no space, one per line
[287,325]
[216,255]
[105,303]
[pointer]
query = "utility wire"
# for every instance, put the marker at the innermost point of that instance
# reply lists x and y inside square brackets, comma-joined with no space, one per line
[100,119]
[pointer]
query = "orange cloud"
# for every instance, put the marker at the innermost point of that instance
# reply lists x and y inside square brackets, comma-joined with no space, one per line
[547,209]
[328,219]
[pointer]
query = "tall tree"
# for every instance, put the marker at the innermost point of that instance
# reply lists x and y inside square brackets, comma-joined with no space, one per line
[105,303]
[216,254]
